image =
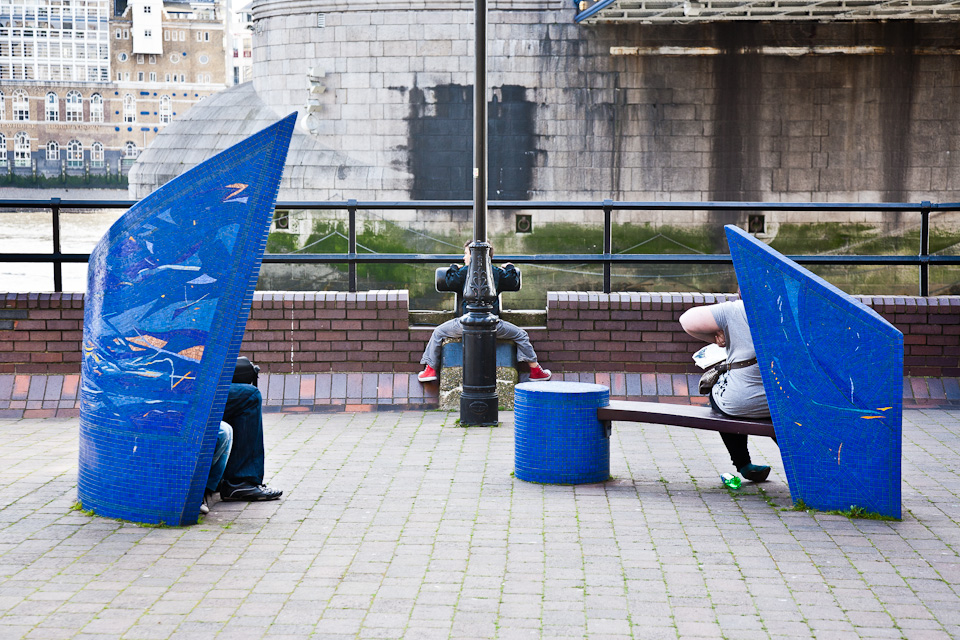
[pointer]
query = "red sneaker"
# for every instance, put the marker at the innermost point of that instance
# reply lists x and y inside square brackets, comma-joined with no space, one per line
[427,375]
[539,373]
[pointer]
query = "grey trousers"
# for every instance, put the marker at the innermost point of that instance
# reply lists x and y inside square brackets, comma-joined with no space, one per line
[453,329]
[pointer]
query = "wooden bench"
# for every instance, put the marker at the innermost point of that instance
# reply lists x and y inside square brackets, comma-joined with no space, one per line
[681,415]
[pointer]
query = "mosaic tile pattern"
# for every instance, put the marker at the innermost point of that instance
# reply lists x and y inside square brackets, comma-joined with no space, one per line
[168,295]
[833,372]
[557,437]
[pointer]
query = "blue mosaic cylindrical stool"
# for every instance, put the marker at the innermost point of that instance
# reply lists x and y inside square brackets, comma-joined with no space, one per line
[557,436]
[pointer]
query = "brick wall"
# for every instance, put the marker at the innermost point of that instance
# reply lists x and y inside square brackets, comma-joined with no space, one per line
[370,332]
[640,332]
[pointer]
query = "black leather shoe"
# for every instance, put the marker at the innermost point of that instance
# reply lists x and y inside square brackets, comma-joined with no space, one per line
[754,472]
[249,493]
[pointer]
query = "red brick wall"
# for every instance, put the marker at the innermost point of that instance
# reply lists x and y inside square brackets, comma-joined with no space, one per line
[343,332]
[333,331]
[41,333]
[640,332]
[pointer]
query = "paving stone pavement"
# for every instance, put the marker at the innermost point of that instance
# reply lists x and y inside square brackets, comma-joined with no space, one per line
[405,525]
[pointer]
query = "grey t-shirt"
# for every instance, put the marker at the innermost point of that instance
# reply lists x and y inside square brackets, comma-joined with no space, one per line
[739,392]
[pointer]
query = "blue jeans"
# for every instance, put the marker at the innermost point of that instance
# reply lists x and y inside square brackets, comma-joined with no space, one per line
[245,463]
[454,329]
[221,454]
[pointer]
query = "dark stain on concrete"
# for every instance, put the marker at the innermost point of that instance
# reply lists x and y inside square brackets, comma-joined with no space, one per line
[734,159]
[897,79]
[440,143]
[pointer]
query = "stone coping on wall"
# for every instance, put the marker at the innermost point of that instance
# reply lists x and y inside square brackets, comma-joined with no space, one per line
[48,396]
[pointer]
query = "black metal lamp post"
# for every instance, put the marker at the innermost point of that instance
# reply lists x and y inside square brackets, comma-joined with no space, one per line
[478,402]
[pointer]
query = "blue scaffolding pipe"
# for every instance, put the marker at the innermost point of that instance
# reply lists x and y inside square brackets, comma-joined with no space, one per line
[595,9]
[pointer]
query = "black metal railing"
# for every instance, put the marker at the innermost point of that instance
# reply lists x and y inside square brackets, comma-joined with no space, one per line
[922,259]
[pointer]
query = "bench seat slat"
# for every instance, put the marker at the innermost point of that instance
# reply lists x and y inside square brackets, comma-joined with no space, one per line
[680,415]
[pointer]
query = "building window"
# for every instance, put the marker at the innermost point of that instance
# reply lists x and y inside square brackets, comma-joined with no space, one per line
[199,37]
[166,77]
[96,108]
[206,36]
[53,151]
[126,76]
[21,105]
[21,150]
[129,108]
[119,77]
[140,76]
[96,155]
[131,150]
[74,154]
[52,107]
[166,36]
[3,150]
[152,59]
[3,107]
[74,106]
[126,34]
[139,58]
[117,34]
[166,110]
[153,76]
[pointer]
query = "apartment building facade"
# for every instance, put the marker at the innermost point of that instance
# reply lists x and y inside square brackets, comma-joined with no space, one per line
[85,85]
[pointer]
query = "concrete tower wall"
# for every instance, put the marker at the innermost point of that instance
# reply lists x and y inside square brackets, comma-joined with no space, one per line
[388,85]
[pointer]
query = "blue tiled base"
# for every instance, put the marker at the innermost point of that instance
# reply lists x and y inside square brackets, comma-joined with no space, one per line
[833,372]
[451,354]
[557,437]
[168,293]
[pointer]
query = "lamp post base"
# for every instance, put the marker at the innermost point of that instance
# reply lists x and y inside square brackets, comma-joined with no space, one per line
[479,403]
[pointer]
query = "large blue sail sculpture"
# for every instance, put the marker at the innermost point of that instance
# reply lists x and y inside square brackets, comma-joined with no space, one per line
[168,294]
[833,372]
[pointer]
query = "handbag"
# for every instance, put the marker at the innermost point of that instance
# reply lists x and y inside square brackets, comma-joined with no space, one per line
[246,372]
[712,374]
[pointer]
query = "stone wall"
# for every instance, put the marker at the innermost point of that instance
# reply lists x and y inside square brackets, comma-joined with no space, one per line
[389,84]
[370,332]
[384,90]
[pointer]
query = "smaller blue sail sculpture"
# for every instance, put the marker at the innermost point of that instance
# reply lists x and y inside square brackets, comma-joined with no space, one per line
[168,293]
[833,372]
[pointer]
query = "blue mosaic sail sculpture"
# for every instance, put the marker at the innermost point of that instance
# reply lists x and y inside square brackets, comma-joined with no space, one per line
[168,294]
[833,372]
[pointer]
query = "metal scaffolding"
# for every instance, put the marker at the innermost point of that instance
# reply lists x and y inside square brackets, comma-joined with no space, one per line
[690,11]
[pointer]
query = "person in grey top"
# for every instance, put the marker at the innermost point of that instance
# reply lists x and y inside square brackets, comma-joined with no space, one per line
[738,393]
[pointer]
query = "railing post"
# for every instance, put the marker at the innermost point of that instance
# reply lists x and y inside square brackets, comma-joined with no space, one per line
[352,245]
[607,242]
[57,263]
[924,248]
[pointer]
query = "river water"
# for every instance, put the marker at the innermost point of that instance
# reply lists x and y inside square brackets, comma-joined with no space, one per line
[32,232]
